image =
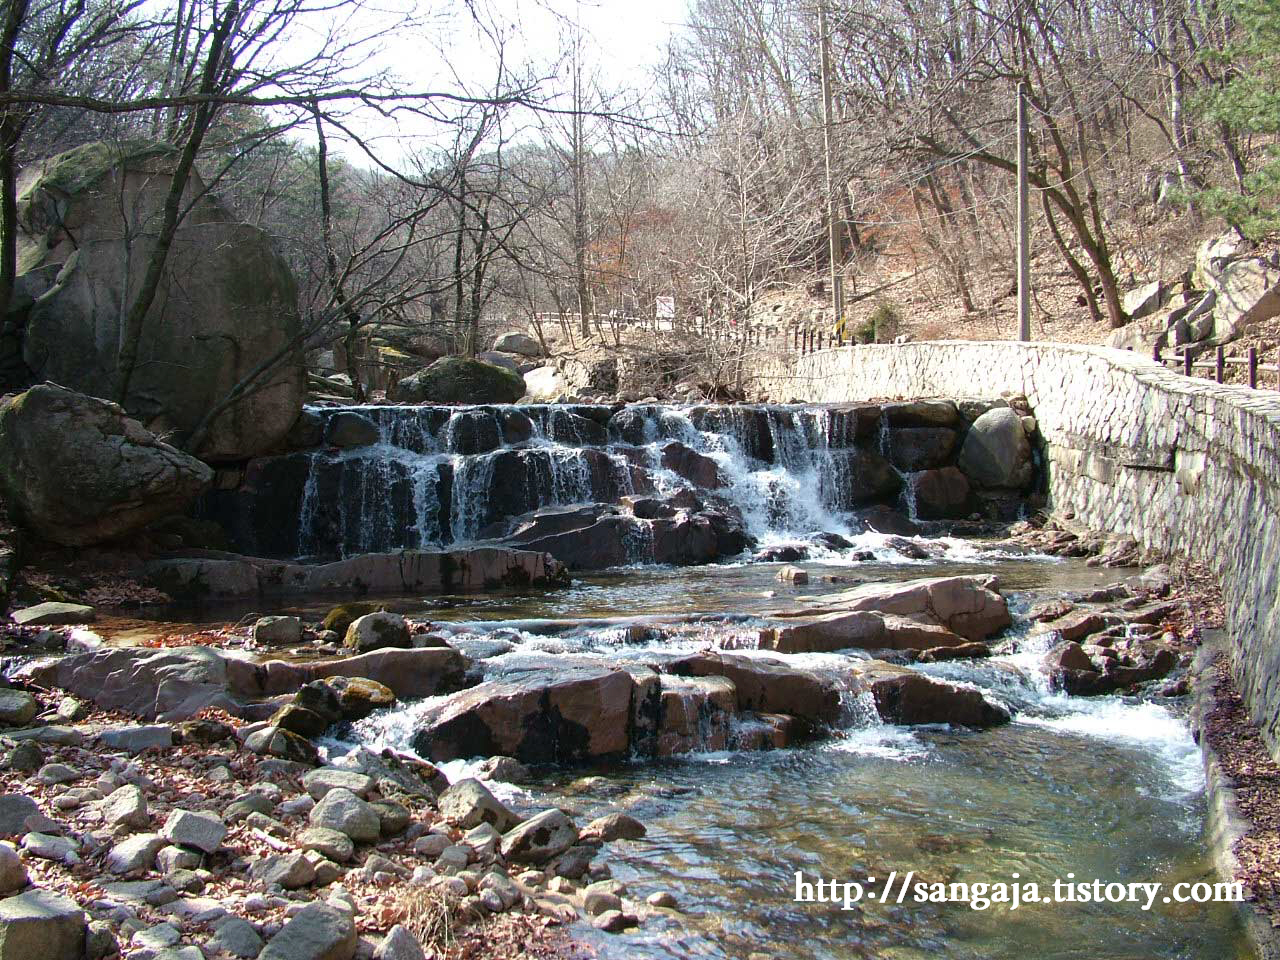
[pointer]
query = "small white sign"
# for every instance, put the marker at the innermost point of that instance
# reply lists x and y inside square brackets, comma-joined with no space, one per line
[666,308]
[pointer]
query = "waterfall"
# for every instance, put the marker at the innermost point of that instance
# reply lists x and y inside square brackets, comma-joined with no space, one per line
[446,475]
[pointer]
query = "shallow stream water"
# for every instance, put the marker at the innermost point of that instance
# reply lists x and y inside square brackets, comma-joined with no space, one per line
[1106,788]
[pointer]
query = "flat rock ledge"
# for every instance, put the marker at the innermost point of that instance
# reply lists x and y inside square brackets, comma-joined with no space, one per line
[213,575]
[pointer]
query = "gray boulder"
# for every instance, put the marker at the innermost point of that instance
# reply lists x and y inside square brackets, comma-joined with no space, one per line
[126,807]
[1245,289]
[134,738]
[17,707]
[290,871]
[53,613]
[227,301]
[343,811]
[41,924]
[461,380]
[77,470]
[237,937]
[399,944]
[278,630]
[504,360]
[329,843]
[996,452]
[15,808]
[1147,299]
[203,831]
[316,932]
[348,429]
[514,341]
[13,873]
[136,853]
[376,631]
[539,838]
[468,803]
[320,781]
[172,684]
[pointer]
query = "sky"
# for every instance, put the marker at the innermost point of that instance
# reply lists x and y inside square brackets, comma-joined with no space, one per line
[623,41]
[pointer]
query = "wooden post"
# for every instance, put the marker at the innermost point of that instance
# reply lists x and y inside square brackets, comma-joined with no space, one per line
[1220,361]
[1186,362]
[1155,355]
[1253,368]
[820,333]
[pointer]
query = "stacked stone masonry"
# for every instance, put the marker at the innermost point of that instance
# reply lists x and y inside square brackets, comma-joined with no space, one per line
[1184,466]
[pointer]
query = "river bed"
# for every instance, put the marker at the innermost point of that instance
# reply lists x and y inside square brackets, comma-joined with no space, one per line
[1107,788]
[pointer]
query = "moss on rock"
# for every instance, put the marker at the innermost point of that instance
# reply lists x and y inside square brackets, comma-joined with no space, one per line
[461,380]
[340,618]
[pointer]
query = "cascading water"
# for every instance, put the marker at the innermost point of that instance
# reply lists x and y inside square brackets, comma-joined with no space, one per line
[451,475]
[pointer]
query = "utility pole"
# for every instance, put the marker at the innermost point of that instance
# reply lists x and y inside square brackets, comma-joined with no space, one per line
[833,226]
[1024,230]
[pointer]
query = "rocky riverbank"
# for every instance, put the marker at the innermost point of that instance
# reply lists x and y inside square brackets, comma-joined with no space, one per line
[191,797]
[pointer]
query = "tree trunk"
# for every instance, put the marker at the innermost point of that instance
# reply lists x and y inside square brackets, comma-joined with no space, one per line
[11,124]
[202,116]
[351,343]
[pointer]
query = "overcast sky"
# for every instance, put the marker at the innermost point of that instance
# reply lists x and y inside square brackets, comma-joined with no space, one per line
[623,41]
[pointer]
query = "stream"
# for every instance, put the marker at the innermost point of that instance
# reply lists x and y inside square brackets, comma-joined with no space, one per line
[1108,788]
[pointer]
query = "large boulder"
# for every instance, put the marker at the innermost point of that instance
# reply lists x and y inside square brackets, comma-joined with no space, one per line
[996,451]
[1248,292]
[516,342]
[765,685]
[905,696]
[461,380]
[912,614]
[173,684]
[545,385]
[1243,290]
[547,712]
[227,301]
[941,494]
[1144,300]
[76,470]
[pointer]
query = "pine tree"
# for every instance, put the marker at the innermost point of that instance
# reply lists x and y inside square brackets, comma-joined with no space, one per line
[1248,104]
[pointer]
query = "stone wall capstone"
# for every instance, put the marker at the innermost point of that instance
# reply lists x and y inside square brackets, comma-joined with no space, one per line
[1184,466]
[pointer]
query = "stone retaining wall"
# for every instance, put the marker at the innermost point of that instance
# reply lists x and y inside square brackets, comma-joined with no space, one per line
[1185,466]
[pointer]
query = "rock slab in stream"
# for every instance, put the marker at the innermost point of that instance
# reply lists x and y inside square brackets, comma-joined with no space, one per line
[907,697]
[914,614]
[402,572]
[550,713]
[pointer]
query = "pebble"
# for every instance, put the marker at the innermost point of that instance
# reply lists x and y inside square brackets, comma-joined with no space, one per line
[614,921]
[13,873]
[237,937]
[432,845]
[62,849]
[298,806]
[157,937]
[27,757]
[52,773]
